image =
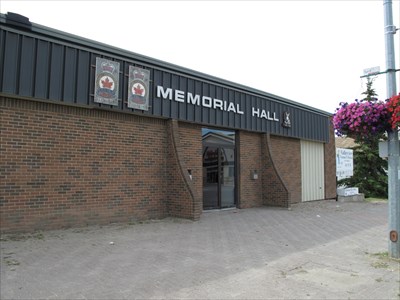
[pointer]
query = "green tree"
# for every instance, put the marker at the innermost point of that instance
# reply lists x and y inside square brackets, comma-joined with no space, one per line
[370,92]
[369,173]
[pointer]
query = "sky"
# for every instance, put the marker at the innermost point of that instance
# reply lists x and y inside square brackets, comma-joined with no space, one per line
[311,52]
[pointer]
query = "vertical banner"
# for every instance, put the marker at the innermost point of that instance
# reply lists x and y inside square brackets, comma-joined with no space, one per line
[138,88]
[107,81]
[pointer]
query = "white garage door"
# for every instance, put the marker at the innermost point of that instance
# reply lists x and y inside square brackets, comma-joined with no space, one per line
[312,171]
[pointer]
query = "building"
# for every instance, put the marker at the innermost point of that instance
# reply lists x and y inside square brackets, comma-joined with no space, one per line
[345,142]
[93,134]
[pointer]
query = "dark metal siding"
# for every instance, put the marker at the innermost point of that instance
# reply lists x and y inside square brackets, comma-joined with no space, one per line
[63,70]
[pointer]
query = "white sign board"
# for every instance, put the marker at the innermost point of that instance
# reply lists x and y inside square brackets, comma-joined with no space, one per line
[344,163]
[373,70]
[383,149]
[347,191]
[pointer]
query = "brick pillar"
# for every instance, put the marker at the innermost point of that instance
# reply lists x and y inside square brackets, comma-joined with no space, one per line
[249,160]
[183,199]
[330,164]
[275,193]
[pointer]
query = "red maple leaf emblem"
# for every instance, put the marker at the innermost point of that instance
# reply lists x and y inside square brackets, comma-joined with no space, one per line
[107,83]
[138,90]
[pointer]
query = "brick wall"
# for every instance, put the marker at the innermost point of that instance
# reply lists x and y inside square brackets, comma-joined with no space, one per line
[250,190]
[278,163]
[286,156]
[65,166]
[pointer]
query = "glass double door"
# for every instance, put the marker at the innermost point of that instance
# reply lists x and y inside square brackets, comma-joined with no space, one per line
[218,176]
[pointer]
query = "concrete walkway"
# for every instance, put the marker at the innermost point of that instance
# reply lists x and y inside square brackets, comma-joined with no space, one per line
[318,250]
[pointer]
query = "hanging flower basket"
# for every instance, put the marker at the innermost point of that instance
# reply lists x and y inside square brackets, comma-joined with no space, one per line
[394,111]
[362,120]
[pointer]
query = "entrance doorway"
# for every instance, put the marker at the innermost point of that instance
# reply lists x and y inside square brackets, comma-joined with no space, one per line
[218,169]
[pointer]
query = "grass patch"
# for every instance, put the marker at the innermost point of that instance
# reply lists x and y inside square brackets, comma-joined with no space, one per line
[138,222]
[381,255]
[384,256]
[38,236]
[380,265]
[376,200]
[16,237]
[11,262]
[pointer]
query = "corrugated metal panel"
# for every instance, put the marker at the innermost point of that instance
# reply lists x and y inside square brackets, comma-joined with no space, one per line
[61,68]
[10,63]
[28,60]
[42,70]
[83,77]
[312,171]
[2,42]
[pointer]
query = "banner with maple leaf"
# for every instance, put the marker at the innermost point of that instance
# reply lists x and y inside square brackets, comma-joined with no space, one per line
[107,81]
[138,87]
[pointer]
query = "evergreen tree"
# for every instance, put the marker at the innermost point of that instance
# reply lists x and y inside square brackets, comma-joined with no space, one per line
[369,173]
[370,92]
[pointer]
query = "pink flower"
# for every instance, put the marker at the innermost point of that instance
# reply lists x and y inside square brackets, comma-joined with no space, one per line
[362,119]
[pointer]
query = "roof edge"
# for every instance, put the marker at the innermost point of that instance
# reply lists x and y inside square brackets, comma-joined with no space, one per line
[22,22]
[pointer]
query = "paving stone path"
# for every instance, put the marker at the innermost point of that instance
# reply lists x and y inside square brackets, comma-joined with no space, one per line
[316,250]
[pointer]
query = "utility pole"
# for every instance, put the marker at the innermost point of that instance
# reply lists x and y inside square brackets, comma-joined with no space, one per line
[393,137]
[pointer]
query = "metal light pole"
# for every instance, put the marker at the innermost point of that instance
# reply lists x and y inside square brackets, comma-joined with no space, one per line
[393,141]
